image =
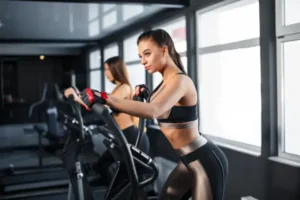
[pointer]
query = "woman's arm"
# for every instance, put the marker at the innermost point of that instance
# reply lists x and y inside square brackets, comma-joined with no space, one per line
[168,96]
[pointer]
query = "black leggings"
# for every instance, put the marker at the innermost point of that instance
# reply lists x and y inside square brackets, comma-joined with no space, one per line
[131,134]
[186,179]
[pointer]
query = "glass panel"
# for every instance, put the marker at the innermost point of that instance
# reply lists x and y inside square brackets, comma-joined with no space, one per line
[291,74]
[291,12]
[111,51]
[131,48]
[95,80]
[230,95]
[95,59]
[221,26]
[137,75]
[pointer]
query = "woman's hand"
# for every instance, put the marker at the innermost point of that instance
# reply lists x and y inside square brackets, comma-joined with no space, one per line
[142,91]
[77,97]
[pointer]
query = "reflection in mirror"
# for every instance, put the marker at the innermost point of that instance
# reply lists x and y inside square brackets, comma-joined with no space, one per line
[110,19]
[131,10]
[93,17]
[107,7]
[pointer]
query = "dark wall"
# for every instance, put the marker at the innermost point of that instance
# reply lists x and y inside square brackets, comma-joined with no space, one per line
[248,175]
[31,75]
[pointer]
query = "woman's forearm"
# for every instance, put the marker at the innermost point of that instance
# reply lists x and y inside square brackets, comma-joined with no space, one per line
[134,108]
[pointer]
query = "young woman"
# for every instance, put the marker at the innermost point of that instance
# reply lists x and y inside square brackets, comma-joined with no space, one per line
[116,72]
[203,167]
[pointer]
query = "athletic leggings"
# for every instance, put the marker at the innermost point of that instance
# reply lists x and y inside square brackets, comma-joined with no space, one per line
[131,134]
[198,161]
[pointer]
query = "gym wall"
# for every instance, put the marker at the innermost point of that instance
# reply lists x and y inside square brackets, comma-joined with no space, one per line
[27,80]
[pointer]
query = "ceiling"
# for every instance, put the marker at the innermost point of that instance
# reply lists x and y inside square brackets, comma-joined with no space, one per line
[37,27]
[29,20]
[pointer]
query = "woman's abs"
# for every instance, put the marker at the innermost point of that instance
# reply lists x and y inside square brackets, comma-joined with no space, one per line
[180,137]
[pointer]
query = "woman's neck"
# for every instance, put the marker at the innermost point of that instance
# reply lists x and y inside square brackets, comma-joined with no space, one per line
[170,70]
[118,83]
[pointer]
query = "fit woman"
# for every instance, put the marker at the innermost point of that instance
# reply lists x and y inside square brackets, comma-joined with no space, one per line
[115,72]
[203,168]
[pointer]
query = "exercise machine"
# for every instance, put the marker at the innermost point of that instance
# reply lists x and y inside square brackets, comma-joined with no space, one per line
[25,181]
[133,166]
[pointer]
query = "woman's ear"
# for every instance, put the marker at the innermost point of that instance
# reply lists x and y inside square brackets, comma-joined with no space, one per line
[165,50]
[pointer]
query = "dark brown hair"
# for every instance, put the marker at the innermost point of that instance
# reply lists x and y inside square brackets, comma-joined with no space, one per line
[118,69]
[161,38]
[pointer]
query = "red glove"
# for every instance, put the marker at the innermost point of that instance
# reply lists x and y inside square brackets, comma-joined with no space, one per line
[89,97]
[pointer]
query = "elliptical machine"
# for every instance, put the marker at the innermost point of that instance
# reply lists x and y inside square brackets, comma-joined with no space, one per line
[127,156]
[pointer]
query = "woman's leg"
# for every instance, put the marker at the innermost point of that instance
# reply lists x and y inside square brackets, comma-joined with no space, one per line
[209,168]
[178,184]
[201,188]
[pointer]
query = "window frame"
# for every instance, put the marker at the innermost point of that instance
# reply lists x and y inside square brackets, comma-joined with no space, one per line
[248,43]
[280,101]
[282,30]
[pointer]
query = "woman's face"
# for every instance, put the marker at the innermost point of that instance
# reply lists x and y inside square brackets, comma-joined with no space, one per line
[152,56]
[107,73]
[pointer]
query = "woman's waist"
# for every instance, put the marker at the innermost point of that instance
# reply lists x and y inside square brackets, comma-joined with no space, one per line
[123,120]
[180,137]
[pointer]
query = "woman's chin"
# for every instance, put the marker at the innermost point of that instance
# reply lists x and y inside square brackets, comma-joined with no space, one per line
[150,71]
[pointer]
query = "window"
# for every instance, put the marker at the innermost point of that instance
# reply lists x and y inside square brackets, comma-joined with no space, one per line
[95,72]
[95,80]
[110,51]
[95,59]
[131,49]
[229,78]
[229,89]
[290,112]
[291,12]
[136,74]
[222,25]
[288,40]
[177,31]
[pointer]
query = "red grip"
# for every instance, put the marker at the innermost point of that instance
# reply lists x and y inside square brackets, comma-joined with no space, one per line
[90,95]
[103,95]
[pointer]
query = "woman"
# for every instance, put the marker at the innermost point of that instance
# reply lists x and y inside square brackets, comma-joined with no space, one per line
[116,72]
[203,168]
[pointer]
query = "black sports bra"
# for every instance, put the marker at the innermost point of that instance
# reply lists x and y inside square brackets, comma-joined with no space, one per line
[179,113]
